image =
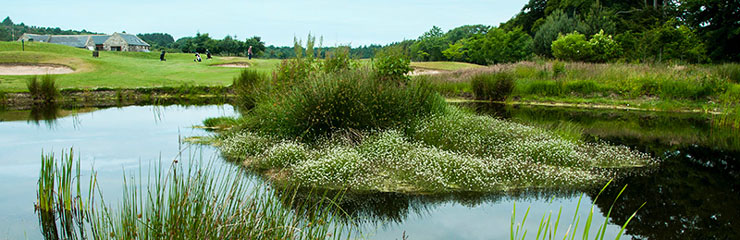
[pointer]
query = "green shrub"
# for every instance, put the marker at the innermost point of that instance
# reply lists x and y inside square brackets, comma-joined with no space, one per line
[350,100]
[391,64]
[557,23]
[492,86]
[44,89]
[604,47]
[247,87]
[572,47]
[338,60]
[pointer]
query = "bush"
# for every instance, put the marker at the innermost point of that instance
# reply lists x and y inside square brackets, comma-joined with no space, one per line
[572,47]
[338,60]
[247,86]
[44,89]
[391,65]
[492,86]
[356,100]
[604,47]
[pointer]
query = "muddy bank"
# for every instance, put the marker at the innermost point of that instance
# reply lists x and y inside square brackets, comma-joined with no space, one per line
[122,97]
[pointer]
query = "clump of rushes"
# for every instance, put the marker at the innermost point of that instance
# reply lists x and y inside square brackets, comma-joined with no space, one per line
[43,88]
[197,201]
[247,87]
[326,103]
[493,86]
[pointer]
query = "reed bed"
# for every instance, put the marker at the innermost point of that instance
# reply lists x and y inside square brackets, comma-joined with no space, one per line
[193,201]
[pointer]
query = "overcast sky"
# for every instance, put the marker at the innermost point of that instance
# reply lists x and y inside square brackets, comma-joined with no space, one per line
[357,22]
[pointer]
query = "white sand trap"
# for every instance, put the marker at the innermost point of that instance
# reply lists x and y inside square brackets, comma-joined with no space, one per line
[233,65]
[33,69]
[417,72]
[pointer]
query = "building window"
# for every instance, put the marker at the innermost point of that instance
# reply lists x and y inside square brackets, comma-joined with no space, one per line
[118,49]
[99,47]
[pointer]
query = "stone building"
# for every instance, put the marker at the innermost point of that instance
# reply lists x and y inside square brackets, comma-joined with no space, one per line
[116,42]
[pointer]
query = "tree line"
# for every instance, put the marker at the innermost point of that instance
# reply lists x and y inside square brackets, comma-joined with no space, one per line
[694,31]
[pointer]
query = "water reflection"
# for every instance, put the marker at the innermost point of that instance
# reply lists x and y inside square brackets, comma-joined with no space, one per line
[693,194]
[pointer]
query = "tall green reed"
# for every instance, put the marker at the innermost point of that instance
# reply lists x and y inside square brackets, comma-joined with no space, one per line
[548,229]
[196,201]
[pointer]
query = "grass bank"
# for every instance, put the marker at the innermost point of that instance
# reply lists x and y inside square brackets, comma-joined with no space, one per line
[667,87]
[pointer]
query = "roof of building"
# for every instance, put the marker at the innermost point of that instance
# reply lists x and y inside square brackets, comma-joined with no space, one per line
[133,39]
[37,37]
[70,40]
[99,39]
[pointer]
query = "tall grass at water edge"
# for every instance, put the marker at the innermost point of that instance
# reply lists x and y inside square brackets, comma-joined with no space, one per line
[495,86]
[325,103]
[548,227]
[611,81]
[43,88]
[198,201]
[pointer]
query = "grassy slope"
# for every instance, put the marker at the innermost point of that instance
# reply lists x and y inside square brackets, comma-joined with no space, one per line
[121,69]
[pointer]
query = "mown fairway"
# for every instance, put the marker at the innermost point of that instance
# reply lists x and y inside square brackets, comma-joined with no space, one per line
[121,69]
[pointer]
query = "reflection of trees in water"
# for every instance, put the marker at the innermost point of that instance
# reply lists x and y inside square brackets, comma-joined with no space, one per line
[693,195]
[380,208]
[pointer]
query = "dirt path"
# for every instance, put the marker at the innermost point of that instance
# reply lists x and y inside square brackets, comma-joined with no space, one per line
[34,69]
[421,71]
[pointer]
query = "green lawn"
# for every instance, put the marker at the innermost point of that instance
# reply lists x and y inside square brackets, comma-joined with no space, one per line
[121,69]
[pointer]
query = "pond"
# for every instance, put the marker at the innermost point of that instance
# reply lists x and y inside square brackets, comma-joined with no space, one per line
[693,194]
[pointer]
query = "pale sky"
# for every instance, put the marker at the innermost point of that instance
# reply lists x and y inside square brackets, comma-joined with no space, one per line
[355,22]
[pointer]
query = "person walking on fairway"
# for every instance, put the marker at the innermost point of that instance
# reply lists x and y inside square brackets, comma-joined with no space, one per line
[208,54]
[249,52]
[161,57]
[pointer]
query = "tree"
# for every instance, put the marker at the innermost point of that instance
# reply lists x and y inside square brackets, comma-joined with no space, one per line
[556,24]
[157,40]
[429,47]
[8,22]
[572,47]
[718,23]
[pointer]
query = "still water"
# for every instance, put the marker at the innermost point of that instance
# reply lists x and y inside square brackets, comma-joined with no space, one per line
[694,195]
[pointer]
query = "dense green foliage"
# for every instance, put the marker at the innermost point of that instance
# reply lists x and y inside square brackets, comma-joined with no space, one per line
[10,31]
[230,46]
[157,40]
[246,86]
[391,65]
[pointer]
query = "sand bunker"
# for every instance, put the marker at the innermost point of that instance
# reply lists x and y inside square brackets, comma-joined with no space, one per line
[417,72]
[233,65]
[34,69]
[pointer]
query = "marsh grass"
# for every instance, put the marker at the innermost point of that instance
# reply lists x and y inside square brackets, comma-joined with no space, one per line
[247,87]
[43,88]
[548,226]
[615,81]
[451,152]
[325,103]
[197,201]
[492,86]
